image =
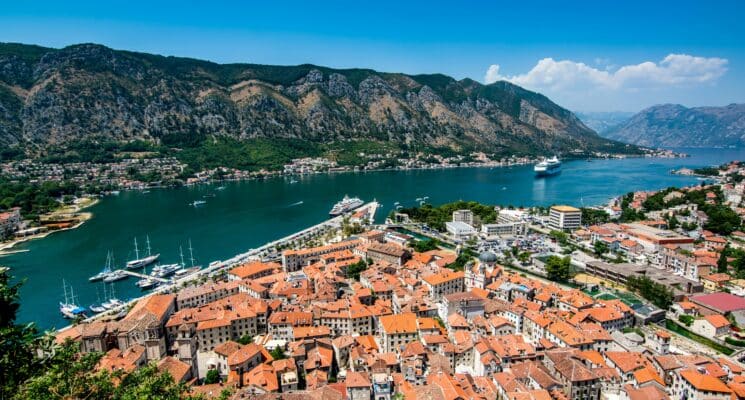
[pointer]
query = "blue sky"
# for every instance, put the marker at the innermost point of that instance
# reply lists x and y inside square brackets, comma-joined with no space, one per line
[587,56]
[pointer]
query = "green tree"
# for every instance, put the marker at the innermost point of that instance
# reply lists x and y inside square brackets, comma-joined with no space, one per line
[278,353]
[722,261]
[212,377]
[422,246]
[354,270]
[600,247]
[69,375]
[245,339]
[657,293]
[17,359]
[558,269]
[593,216]
[561,237]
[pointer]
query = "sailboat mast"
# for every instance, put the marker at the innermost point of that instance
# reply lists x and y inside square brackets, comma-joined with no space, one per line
[191,254]
[181,253]
[64,289]
[147,238]
[137,251]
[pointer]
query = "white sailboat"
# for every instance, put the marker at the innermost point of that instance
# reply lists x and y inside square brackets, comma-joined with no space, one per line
[97,307]
[105,272]
[185,271]
[141,262]
[112,302]
[68,308]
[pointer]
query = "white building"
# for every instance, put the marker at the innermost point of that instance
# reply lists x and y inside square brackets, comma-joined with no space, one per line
[564,218]
[463,216]
[460,230]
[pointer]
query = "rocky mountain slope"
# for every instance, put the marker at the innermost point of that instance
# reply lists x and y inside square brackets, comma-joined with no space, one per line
[600,121]
[54,96]
[673,125]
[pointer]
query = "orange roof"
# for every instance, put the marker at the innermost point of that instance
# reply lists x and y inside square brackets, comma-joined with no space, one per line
[357,380]
[176,368]
[717,320]
[305,332]
[717,278]
[399,323]
[158,305]
[703,382]
[647,374]
[443,276]
[262,376]
[252,269]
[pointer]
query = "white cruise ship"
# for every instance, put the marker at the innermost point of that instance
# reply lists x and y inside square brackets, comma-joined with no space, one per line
[345,205]
[550,166]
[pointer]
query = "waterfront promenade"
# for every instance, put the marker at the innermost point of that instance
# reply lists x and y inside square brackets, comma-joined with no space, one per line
[216,267]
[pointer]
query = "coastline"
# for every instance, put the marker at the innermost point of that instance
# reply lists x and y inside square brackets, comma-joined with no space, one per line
[6,248]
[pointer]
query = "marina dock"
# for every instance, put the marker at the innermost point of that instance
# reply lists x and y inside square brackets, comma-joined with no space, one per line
[143,276]
[216,267]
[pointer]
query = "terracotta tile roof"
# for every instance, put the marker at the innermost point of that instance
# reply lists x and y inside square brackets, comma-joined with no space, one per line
[357,380]
[243,354]
[225,349]
[443,276]
[253,268]
[157,305]
[305,332]
[399,323]
[262,376]
[626,361]
[717,320]
[702,382]
[179,370]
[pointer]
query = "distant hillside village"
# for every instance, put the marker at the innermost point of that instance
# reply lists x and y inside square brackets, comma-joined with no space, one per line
[641,299]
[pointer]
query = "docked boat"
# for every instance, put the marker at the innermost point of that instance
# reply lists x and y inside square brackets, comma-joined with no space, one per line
[142,262]
[68,308]
[345,205]
[112,302]
[164,271]
[105,272]
[197,203]
[148,283]
[183,271]
[115,276]
[97,308]
[548,167]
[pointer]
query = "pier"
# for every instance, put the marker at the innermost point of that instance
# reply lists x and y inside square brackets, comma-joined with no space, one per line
[143,276]
[215,267]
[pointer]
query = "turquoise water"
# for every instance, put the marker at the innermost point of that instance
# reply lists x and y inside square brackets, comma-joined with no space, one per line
[248,214]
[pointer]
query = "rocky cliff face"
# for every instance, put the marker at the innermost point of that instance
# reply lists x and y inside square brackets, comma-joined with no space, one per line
[672,125]
[50,96]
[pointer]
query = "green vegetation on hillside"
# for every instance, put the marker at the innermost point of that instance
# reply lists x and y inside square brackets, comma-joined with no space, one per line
[656,293]
[722,219]
[558,269]
[436,217]
[63,372]
[35,198]
[250,154]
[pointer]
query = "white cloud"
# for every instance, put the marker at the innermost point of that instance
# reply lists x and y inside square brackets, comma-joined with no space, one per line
[673,70]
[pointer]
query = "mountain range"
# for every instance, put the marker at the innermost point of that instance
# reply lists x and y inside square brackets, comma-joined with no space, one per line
[673,125]
[602,121]
[50,97]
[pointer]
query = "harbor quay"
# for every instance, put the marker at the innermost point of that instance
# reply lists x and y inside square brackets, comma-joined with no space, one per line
[635,298]
[216,267]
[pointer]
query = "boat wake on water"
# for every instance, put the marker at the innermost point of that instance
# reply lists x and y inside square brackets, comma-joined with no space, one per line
[296,204]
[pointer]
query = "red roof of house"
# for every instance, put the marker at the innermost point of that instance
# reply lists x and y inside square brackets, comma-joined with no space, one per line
[724,302]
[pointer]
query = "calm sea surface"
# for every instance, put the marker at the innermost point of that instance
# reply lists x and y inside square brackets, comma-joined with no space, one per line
[248,214]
